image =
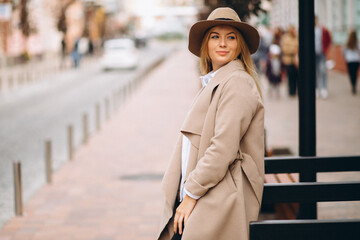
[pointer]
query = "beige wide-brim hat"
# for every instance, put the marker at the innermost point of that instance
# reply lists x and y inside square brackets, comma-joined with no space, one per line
[222,16]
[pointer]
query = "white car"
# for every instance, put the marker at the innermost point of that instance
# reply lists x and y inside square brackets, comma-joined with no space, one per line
[120,54]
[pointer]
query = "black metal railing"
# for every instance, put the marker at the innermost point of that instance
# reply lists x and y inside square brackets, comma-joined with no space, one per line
[341,229]
[309,193]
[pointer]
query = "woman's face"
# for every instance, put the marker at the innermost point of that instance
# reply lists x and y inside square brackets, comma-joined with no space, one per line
[222,45]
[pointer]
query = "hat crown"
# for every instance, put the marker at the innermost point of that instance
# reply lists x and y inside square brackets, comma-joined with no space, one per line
[224,13]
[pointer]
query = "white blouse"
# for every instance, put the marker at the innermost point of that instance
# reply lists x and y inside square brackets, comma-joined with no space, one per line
[351,55]
[186,144]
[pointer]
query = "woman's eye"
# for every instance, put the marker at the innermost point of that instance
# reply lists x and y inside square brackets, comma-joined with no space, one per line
[214,36]
[232,37]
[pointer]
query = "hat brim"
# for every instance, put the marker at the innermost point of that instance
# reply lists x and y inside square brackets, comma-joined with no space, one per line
[198,30]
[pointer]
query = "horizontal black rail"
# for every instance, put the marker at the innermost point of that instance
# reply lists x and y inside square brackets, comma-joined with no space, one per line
[348,229]
[311,192]
[311,164]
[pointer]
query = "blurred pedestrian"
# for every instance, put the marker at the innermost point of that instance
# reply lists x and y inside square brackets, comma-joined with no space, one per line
[290,48]
[75,55]
[63,53]
[260,56]
[322,46]
[278,34]
[83,47]
[91,47]
[273,70]
[214,182]
[352,57]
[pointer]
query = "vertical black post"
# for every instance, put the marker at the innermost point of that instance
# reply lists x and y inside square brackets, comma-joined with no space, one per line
[307,104]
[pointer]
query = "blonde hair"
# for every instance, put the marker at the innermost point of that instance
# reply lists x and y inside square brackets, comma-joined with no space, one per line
[243,54]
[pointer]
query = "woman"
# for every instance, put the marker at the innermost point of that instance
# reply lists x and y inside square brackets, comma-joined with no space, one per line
[214,182]
[289,49]
[352,58]
[273,70]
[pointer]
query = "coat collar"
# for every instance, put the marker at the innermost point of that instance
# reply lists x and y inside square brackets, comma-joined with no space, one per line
[225,71]
[194,120]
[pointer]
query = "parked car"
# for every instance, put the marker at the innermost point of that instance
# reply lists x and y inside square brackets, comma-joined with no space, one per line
[120,54]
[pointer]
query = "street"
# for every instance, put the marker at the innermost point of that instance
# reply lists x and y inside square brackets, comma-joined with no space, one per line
[43,110]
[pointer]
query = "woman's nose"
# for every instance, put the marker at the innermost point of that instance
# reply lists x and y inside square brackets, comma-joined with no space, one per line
[222,42]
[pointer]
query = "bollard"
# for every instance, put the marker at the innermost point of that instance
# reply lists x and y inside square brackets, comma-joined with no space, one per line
[10,82]
[126,91]
[85,128]
[24,77]
[130,89]
[18,189]
[28,76]
[123,93]
[70,142]
[20,79]
[97,117]
[32,76]
[139,80]
[48,161]
[107,109]
[115,101]
[119,97]
[37,75]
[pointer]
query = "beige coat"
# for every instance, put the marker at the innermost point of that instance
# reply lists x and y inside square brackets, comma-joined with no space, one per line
[289,48]
[225,125]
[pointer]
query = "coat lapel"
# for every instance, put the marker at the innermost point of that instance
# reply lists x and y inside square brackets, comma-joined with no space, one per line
[194,121]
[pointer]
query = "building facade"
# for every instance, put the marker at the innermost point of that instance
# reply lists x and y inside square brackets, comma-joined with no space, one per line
[339,16]
[81,18]
[284,13]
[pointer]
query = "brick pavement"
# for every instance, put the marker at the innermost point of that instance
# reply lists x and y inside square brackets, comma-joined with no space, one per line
[111,189]
[91,198]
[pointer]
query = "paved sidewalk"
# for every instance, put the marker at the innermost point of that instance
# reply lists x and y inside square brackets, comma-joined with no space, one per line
[337,117]
[43,111]
[337,130]
[112,188]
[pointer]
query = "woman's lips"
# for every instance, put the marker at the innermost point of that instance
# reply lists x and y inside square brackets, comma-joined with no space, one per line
[222,53]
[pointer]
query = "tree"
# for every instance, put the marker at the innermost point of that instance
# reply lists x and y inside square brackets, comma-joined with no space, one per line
[24,18]
[61,23]
[244,8]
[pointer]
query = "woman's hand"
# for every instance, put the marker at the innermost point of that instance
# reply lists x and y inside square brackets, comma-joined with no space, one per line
[183,212]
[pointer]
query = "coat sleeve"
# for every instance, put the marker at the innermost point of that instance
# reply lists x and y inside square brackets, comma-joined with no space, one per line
[236,107]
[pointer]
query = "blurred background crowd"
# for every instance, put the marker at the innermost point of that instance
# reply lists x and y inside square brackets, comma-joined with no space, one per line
[33,29]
